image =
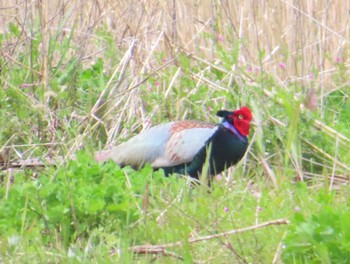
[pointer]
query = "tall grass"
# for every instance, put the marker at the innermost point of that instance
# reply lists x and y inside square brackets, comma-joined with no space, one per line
[299,44]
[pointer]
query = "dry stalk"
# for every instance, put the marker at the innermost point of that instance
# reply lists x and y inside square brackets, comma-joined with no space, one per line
[156,251]
[161,247]
[276,258]
[328,156]
[269,171]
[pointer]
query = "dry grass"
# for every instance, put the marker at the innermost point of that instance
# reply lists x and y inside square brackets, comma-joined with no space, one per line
[284,31]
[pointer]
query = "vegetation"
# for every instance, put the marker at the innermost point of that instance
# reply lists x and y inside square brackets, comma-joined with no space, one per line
[80,76]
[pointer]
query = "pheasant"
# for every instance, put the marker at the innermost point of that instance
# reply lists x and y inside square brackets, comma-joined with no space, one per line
[184,147]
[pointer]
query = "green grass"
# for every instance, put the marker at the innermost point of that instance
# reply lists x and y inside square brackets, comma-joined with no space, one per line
[80,83]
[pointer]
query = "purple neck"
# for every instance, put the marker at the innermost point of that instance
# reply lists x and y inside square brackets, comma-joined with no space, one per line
[234,130]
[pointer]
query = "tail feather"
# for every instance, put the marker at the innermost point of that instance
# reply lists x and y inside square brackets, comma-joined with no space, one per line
[103,155]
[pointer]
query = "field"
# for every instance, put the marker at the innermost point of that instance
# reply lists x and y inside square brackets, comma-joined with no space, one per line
[79,76]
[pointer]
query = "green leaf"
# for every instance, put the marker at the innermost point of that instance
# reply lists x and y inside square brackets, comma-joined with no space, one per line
[14,29]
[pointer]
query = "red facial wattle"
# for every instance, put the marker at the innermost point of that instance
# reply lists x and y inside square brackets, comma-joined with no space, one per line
[242,126]
[241,120]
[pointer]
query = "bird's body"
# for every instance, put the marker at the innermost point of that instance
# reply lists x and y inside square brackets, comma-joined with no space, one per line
[183,146]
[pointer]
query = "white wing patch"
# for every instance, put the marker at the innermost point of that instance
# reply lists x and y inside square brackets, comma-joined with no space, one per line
[183,146]
[143,148]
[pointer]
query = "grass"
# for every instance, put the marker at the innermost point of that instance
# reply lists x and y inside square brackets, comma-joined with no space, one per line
[76,77]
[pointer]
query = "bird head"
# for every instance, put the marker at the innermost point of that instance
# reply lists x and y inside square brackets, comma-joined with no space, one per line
[240,119]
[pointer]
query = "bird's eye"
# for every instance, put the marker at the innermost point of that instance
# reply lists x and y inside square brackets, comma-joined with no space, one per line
[240,117]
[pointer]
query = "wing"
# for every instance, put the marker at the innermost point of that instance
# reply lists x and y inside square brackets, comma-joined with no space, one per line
[143,148]
[183,146]
[162,146]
